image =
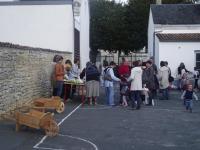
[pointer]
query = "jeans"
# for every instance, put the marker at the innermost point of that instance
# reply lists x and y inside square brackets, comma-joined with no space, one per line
[135,97]
[59,87]
[165,93]
[109,95]
[188,104]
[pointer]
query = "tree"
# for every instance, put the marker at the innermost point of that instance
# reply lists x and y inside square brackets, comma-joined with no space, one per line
[107,25]
[117,27]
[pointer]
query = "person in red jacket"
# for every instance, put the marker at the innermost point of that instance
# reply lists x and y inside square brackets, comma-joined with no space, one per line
[124,68]
[124,71]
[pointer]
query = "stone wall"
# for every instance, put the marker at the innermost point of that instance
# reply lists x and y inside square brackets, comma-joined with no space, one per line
[25,74]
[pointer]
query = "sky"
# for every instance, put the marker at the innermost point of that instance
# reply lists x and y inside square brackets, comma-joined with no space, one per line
[121,0]
[115,0]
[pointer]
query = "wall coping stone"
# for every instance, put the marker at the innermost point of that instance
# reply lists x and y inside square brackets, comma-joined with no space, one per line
[17,46]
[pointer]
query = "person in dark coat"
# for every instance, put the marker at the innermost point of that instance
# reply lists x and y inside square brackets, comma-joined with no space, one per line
[148,80]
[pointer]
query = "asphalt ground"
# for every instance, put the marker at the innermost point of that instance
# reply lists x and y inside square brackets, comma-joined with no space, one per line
[166,126]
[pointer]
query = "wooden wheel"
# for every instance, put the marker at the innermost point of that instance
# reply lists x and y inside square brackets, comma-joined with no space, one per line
[52,128]
[60,108]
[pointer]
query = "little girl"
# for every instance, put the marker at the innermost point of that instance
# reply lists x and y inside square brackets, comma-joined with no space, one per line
[145,95]
[124,91]
[187,96]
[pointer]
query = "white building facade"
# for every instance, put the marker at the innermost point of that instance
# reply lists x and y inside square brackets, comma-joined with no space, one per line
[82,25]
[174,35]
[43,24]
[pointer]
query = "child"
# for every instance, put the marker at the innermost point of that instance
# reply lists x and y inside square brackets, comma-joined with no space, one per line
[124,91]
[187,96]
[145,94]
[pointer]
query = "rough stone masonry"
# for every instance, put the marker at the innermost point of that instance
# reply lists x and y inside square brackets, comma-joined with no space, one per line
[25,74]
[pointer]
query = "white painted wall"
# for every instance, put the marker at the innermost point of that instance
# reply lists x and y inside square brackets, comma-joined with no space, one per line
[157,52]
[177,52]
[44,26]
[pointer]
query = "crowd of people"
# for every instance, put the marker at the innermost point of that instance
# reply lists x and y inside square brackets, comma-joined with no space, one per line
[139,82]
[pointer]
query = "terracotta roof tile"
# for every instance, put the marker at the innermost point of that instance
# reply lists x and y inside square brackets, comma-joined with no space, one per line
[179,37]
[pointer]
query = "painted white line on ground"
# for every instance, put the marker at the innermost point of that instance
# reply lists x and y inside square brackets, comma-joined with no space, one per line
[48,148]
[72,137]
[81,139]
[69,114]
[96,108]
[164,109]
[42,140]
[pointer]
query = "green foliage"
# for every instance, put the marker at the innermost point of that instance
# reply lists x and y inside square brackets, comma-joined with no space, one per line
[107,24]
[118,27]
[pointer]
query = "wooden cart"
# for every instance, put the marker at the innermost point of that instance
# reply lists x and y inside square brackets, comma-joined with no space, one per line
[49,103]
[37,119]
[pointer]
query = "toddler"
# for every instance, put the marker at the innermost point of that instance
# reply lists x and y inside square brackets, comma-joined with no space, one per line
[187,96]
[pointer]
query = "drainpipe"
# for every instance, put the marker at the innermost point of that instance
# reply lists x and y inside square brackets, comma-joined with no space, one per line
[154,41]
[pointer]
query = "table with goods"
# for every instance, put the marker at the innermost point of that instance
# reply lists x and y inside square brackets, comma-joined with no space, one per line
[78,85]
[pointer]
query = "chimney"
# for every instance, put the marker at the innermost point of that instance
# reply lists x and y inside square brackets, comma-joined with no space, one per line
[158,2]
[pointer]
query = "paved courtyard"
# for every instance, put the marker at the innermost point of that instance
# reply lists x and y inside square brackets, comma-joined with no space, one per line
[166,126]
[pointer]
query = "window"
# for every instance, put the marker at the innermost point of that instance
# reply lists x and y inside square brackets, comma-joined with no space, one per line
[197,62]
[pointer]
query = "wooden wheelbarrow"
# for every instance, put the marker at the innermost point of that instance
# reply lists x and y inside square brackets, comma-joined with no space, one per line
[38,120]
[49,103]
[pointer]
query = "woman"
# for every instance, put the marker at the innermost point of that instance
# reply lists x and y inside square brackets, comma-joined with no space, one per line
[92,82]
[59,75]
[136,84]
[182,74]
[53,82]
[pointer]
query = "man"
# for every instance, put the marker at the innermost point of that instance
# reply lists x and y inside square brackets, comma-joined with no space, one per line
[109,77]
[148,79]
[124,70]
[59,75]
[75,71]
[155,69]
